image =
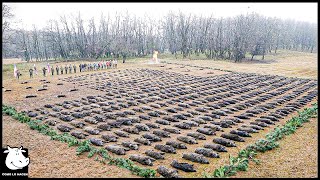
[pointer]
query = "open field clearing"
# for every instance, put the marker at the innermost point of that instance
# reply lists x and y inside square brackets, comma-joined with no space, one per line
[12,61]
[178,112]
[284,63]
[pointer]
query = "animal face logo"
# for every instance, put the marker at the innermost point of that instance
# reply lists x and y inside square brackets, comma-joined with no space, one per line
[15,159]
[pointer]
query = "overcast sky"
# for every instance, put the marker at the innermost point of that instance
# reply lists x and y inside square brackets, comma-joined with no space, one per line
[39,13]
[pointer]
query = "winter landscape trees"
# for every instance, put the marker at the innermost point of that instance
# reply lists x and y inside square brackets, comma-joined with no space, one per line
[123,35]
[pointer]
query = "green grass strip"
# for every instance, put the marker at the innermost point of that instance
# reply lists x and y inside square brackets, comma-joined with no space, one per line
[82,146]
[241,162]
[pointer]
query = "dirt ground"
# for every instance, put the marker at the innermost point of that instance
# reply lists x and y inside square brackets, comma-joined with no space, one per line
[50,158]
[82,167]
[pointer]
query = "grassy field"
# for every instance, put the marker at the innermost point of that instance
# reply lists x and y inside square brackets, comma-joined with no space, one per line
[285,63]
[293,158]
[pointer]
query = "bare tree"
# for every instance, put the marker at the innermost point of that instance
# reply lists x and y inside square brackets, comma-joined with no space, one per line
[124,36]
[7,16]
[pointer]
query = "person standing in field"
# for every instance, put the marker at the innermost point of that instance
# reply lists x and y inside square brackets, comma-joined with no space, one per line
[61,69]
[31,72]
[18,74]
[80,67]
[70,68]
[74,68]
[52,70]
[15,70]
[35,69]
[57,69]
[48,68]
[44,71]
[116,63]
[66,69]
[108,64]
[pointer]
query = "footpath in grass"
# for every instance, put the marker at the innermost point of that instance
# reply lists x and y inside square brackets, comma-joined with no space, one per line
[241,162]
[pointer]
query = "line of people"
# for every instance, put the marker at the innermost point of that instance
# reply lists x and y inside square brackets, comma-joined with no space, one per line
[83,67]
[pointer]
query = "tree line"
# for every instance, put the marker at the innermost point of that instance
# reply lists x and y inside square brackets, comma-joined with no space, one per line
[125,35]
